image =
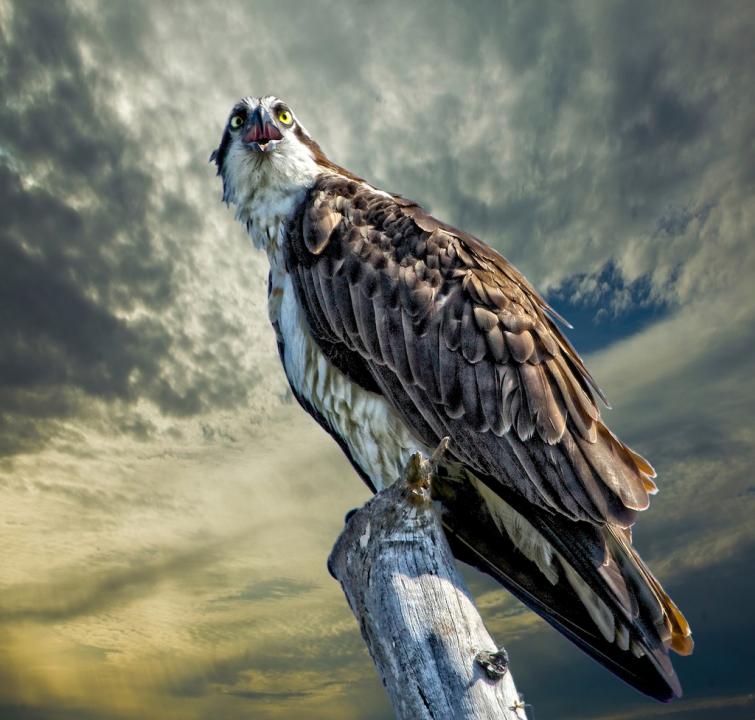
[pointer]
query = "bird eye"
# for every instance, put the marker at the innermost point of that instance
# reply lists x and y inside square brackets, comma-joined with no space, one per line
[237,121]
[285,117]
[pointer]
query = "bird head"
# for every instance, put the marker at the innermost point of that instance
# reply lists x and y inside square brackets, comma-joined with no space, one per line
[265,145]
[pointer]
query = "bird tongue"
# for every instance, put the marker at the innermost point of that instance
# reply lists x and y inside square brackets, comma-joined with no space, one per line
[263,134]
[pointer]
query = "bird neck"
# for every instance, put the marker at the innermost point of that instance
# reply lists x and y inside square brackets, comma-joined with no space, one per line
[266,202]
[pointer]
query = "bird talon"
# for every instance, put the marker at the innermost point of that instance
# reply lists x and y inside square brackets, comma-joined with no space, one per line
[440,451]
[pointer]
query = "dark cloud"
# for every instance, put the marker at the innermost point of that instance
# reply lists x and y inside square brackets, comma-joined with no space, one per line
[606,148]
[93,245]
[79,593]
[272,589]
[268,696]
[54,332]
[68,189]
[326,654]
[45,712]
[612,114]
[557,130]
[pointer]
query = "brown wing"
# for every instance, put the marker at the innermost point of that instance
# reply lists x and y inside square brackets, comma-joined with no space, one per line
[463,346]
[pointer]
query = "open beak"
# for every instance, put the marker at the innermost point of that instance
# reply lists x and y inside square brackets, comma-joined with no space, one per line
[262,135]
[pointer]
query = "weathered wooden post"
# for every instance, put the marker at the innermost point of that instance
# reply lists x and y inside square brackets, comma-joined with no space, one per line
[432,651]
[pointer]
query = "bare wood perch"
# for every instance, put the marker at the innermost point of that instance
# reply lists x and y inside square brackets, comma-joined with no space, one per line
[426,638]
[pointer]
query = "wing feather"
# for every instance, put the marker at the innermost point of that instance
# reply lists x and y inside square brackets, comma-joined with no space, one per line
[489,392]
[342,298]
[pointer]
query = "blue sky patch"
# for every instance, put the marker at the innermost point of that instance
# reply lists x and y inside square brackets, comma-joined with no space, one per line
[603,308]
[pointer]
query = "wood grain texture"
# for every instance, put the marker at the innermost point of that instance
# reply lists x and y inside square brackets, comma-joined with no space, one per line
[416,615]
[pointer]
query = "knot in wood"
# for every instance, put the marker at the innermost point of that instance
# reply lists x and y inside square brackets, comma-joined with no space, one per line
[496,664]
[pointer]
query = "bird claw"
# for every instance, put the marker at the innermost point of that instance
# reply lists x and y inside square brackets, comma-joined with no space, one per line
[496,664]
[419,472]
[440,451]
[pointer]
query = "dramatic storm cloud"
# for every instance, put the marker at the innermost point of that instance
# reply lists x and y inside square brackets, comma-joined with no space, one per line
[167,510]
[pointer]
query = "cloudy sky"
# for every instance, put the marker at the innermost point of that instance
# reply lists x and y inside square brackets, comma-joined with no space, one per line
[166,510]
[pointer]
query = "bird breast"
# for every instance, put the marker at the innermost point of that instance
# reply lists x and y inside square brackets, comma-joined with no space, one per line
[378,440]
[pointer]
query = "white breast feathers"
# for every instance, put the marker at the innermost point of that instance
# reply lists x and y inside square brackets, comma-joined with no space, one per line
[378,440]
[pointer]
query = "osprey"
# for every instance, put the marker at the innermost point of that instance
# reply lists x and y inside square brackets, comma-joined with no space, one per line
[396,330]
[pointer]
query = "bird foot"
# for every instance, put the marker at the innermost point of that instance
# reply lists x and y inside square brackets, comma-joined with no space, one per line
[419,472]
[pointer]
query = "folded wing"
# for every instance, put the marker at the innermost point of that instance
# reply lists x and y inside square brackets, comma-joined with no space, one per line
[463,346]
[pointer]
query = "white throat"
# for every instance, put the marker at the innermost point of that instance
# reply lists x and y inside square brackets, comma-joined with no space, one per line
[266,189]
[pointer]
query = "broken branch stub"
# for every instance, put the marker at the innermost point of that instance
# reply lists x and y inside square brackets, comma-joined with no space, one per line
[426,638]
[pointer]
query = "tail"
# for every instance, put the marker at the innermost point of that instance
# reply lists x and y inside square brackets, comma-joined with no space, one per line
[587,581]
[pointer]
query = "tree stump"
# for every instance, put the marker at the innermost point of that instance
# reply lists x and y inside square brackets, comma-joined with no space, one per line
[426,638]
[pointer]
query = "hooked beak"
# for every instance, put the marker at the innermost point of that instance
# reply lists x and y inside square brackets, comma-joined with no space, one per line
[262,135]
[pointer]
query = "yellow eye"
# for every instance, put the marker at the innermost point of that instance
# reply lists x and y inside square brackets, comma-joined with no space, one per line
[285,117]
[237,121]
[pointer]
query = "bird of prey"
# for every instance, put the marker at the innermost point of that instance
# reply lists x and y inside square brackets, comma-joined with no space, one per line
[396,330]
